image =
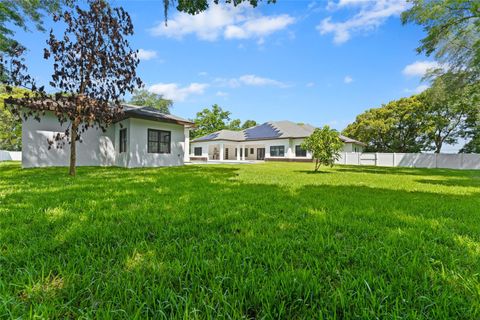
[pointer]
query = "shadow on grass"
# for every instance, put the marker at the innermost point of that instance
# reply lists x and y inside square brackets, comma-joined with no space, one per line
[171,242]
[405,171]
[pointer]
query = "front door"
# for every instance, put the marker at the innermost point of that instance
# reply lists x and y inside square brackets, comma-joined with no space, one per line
[260,153]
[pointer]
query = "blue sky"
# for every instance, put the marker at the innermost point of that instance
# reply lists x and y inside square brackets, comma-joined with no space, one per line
[320,62]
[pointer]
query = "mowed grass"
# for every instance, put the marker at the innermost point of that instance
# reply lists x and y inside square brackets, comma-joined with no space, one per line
[265,241]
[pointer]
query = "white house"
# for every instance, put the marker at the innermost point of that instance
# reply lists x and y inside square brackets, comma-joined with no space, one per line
[143,137]
[276,140]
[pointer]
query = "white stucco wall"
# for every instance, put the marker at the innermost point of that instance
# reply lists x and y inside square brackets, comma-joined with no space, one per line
[98,148]
[95,149]
[138,147]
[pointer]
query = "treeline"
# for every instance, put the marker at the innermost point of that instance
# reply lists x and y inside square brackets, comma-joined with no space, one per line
[445,114]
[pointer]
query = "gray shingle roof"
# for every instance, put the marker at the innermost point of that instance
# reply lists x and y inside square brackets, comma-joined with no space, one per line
[268,131]
[150,113]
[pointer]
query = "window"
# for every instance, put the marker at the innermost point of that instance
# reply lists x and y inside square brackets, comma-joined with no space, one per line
[158,141]
[197,151]
[226,153]
[246,152]
[299,152]
[277,151]
[252,151]
[123,140]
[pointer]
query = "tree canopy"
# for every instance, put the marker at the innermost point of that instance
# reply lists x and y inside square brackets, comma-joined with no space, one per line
[10,124]
[453,32]
[197,6]
[145,98]
[325,146]
[215,119]
[395,127]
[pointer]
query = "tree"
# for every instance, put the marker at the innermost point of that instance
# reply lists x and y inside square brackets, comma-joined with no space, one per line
[449,104]
[325,146]
[94,67]
[14,13]
[149,99]
[10,124]
[397,126]
[197,6]
[248,124]
[208,121]
[453,32]
[235,125]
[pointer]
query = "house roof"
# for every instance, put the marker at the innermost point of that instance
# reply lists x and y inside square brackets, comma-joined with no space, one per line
[149,113]
[268,131]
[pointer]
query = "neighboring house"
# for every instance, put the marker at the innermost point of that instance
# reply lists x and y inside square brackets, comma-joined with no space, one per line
[279,140]
[143,137]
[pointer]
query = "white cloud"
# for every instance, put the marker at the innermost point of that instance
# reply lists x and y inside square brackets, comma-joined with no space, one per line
[203,73]
[176,93]
[229,22]
[419,68]
[348,79]
[146,54]
[249,80]
[372,14]
[418,89]
[221,94]
[310,84]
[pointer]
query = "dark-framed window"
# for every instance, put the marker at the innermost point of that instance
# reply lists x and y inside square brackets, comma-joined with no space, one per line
[123,140]
[241,152]
[299,152]
[226,153]
[252,151]
[246,152]
[159,141]
[277,151]
[197,151]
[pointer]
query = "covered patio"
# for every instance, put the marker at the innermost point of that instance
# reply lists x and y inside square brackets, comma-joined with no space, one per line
[228,151]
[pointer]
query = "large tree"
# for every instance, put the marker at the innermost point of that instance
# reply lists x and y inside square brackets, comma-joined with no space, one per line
[397,126]
[94,67]
[210,120]
[145,98]
[452,32]
[324,144]
[449,104]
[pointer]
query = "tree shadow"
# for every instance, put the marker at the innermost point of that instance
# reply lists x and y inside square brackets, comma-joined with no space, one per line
[406,171]
[171,242]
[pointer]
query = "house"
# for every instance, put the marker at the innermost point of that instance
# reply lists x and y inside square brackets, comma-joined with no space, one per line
[142,137]
[275,140]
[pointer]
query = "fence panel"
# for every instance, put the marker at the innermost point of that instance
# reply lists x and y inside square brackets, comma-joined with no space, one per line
[413,160]
[10,155]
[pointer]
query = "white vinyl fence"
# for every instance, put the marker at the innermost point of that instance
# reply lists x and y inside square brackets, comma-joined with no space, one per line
[10,155]
[414,160]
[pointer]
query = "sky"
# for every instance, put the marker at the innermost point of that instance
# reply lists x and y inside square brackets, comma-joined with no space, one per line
[320,62]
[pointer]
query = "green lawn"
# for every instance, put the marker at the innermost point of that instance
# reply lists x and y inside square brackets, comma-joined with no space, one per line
[272,241]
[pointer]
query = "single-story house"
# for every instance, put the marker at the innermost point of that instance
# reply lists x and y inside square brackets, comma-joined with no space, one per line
[275,140]
[142,137]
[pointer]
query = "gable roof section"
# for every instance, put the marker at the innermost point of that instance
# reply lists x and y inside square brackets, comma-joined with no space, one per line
[268,131]
[149,113]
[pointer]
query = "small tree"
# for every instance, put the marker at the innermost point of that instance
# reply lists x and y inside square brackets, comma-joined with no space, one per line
[325,146]
[94,67]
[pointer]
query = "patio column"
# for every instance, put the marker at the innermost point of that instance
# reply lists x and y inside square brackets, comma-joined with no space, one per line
[237,148]
[221,151]
[243,153]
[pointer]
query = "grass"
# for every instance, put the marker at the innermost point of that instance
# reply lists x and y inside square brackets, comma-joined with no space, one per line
[266,241]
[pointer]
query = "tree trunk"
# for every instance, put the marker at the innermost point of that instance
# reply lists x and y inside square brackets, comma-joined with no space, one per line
[438,147]
[317,165]
[73,149]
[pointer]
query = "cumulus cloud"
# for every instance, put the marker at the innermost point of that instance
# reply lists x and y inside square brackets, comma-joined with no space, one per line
[348,79]
[249,80]
[419,68]
[173,91]
[223,21]
[371,14]
[146,54]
